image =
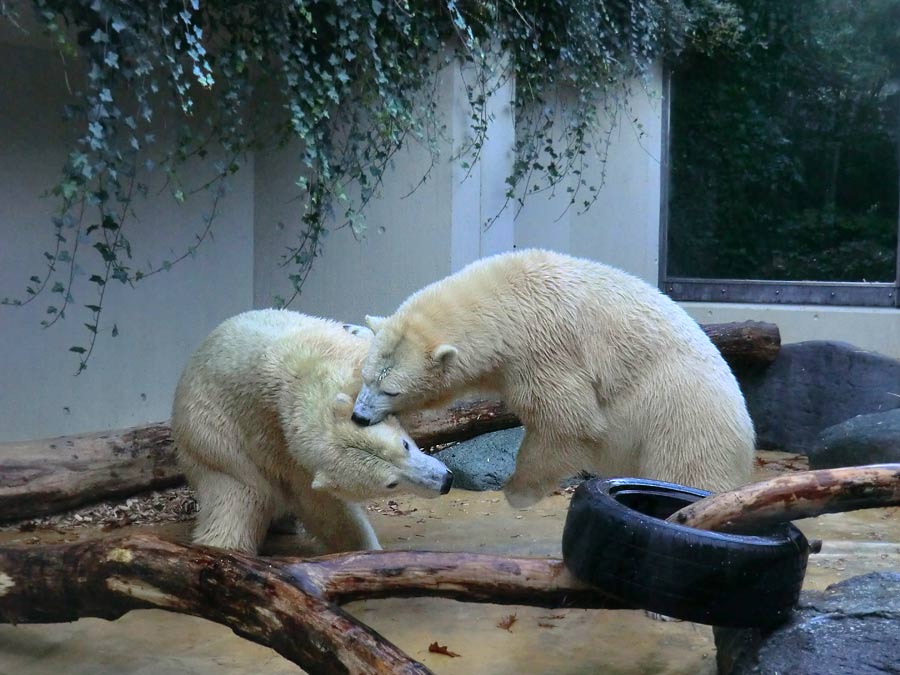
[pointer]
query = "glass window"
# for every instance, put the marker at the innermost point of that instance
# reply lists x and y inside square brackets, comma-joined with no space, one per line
[783,155]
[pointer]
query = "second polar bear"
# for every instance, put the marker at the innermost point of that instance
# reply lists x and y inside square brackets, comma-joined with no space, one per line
[605,372]
[261,423]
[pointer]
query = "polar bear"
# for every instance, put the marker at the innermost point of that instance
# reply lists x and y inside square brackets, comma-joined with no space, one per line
[261,423]
[606,373]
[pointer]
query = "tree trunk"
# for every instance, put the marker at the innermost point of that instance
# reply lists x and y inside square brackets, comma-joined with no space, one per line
[39,478]
[290,605]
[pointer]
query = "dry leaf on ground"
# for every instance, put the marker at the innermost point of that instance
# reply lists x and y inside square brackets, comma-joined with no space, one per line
[507,621]
[435,648]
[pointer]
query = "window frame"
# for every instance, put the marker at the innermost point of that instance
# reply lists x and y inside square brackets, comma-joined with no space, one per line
[759,291]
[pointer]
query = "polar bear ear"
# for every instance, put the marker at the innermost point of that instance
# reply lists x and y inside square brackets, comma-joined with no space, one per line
[343,404]
[322,481]
[374,322]
[444,354]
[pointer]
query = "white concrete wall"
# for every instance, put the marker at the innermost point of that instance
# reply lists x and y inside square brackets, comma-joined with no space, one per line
[405,246]
[131,378]
[622,227]
[442,226]
[410,241]
[871,328]
[413,237]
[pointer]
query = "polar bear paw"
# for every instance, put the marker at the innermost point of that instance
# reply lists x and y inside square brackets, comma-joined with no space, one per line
[522,496]
[353,329]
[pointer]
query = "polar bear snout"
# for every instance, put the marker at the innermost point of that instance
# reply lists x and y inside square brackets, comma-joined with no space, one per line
[369,408]
[361,420]
[448,482]
[427,476]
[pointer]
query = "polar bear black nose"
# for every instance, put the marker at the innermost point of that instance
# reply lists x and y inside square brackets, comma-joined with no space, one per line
[360,420]
[448,481]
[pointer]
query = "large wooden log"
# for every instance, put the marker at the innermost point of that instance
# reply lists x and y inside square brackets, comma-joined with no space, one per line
[43,477]
[746,343]
[794,496]
[290,605]
[38,478]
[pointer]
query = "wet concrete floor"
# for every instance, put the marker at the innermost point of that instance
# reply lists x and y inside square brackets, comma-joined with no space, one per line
[568,641]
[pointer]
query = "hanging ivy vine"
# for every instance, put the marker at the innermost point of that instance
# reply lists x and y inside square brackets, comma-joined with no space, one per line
[353,81]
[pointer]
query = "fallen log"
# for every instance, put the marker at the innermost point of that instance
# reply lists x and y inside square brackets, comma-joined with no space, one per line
[745,343]
[43,477]
[288,604]
[38,478]
[794,496]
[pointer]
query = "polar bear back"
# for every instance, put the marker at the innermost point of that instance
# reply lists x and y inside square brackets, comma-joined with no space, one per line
[589,357]
[246,373]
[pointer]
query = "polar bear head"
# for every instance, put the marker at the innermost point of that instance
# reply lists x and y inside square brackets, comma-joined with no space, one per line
[377,460]
[402,370]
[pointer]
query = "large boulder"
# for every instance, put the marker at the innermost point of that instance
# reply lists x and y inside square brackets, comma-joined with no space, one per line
[852,627]
[814,385]
[484,462]
[864,439]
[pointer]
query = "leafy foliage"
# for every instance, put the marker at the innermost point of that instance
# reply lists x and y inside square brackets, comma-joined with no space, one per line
[352,81]
[785,146]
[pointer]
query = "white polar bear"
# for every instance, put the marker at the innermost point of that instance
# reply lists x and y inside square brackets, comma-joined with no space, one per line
[261,423]
[606,373]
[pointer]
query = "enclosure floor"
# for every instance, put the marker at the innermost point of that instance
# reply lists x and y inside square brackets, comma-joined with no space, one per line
[542,641]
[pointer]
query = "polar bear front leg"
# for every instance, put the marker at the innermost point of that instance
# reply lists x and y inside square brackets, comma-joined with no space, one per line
[232,515]
[338,525]
[539,467]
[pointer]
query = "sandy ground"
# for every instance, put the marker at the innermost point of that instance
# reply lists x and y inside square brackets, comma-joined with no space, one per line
[538,641]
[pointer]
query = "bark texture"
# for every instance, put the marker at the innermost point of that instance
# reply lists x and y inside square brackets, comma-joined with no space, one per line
[290,605]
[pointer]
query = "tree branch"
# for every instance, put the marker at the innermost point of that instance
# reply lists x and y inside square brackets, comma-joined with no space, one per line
[289,604]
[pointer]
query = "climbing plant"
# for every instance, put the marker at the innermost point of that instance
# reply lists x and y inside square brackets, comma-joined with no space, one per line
[352,81]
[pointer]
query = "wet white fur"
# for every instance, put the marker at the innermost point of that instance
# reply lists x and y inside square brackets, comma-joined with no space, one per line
[261,423]
[606,373]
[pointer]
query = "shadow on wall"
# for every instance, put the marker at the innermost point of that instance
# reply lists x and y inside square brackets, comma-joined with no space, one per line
[804,402]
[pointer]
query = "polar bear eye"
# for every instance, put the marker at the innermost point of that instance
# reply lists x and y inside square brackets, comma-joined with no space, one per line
[391,486]
[406,445]
[391,393]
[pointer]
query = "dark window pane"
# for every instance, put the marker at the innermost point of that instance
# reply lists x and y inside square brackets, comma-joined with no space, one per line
[784,154]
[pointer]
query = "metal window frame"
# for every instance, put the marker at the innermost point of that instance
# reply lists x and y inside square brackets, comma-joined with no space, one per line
[852,294]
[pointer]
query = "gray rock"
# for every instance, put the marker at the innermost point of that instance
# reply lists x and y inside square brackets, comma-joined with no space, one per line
[484,462]
[814,385]
[851,628]
[864,439]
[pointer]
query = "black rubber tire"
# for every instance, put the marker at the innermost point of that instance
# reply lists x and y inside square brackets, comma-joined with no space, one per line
[616,538]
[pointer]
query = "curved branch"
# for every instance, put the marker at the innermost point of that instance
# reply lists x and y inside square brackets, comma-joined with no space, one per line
[468,577]
[794,496]
[254,597]
[288,604]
